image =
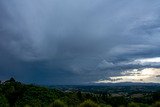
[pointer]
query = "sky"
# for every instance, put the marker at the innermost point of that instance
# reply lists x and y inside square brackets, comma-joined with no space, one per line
[80,41]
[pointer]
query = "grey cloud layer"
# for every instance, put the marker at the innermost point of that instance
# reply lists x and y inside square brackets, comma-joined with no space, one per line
[69,39]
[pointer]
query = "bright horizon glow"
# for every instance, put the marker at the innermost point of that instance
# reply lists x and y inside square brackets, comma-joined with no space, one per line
[147,75]
[148,60]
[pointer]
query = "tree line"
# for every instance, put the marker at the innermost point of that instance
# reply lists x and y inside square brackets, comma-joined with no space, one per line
[17,94]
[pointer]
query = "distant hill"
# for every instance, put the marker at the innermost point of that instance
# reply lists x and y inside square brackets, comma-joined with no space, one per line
[127,84]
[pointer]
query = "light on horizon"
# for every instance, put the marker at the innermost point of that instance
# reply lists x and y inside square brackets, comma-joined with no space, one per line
[146,75]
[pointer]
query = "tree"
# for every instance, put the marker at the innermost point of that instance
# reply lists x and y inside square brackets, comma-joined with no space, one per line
[3,101]
[79,94]
[11,80]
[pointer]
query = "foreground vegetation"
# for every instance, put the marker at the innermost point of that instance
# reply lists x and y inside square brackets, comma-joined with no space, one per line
[16,94]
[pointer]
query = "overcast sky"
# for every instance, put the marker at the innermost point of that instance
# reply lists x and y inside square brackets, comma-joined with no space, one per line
[78,41]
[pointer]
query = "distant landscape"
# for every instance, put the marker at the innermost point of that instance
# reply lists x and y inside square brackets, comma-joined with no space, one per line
[79,53]
[17,94]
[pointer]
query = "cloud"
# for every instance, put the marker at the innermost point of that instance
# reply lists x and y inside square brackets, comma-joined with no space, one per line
[148,60]
[146,75]
[79,41]
[141,62]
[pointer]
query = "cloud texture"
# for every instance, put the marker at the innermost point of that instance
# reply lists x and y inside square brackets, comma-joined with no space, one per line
[76,41]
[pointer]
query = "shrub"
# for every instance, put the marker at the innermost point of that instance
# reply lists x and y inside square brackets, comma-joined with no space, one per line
[143,105]
[133,105]
[58,103]
[157,104]
[104,105]
[121,106]
[27,106]
[88,103]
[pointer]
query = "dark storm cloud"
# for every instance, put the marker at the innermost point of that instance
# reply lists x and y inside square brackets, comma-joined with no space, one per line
[66,42]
